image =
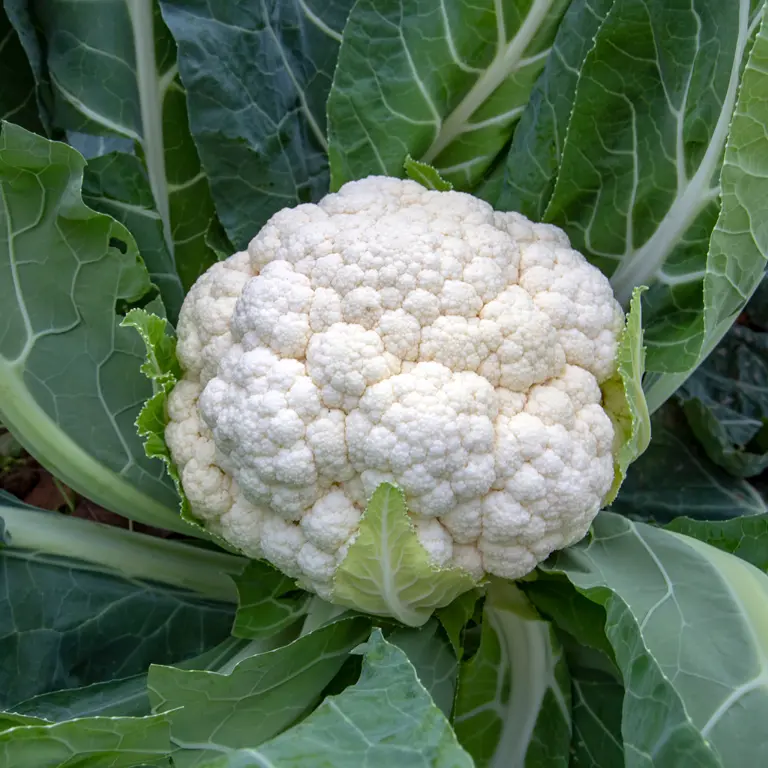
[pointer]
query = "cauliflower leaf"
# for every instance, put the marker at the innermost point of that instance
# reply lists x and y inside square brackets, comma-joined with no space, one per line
[623,397]
[426,175]
[387,571]
[162,368]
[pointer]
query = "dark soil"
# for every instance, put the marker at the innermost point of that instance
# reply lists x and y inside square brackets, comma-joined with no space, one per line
[23,477]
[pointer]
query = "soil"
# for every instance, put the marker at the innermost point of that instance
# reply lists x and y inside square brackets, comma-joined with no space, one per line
[23,477]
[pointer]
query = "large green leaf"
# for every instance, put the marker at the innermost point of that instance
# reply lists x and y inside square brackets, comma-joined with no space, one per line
[256,700]
[121,697]
[91,147]
[82,603]
[202,570]
[688,624]
[268,601]
[112,66]
[383,720]
[117,184]
[129,696]
[536,152]
[513,705]
[757,309]
[456,616]
[745,537]
[596,690]
[429,650]
[97,742]
[597,701]
[738,246]
[726,402]
[257,77]
[623,146]
[676,477]
[18,103]
[442,81]
[70,384]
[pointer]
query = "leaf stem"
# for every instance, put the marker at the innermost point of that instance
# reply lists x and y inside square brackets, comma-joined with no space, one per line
[150,102]
[34,534]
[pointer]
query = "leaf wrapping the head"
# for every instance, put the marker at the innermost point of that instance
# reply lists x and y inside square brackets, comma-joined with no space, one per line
[623,397]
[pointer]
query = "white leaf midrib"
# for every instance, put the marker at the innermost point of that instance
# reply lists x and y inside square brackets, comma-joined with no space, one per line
[508,58]
[527,657]
[639,267]
[314,127]
[150,106]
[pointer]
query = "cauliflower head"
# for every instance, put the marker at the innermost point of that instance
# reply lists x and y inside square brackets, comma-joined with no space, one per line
[394,334]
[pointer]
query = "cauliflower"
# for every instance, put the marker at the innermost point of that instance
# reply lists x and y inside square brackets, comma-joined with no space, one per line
[394,334]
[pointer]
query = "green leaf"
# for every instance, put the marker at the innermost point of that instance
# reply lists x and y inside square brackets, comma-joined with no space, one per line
[687,623]
[92,147]
[21,16]
[443,81]
[623,147]
[11,450]
[9,500]
[117,184]
[128,47]
[623,397]
[82,603]
[597,705]
[513,705]
[161,367]
[259,698]
[268,601]
[70,387]
[579,617]
[121,697]
[95,742]
[18,103]
[745,537]
[218,241]
[726,402]
[738,248]
[537,148]
[757,309]
[426,175]
[129,696]
[257,77]
[320,613]
[387,571]
[433,658]
[189,567]
[715,437]
[385,719]
[596,690]
[676,477]
[11,720]
[455,617]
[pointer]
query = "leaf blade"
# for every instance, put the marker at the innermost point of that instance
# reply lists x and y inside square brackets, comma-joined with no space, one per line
[384,718]
[684,689]
[459,77]
[259,121]
[387,572]
[513,704]
[128,45]
[61,340]
[109,742]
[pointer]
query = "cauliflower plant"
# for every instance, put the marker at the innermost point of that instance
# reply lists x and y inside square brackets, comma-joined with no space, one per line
[394,334]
